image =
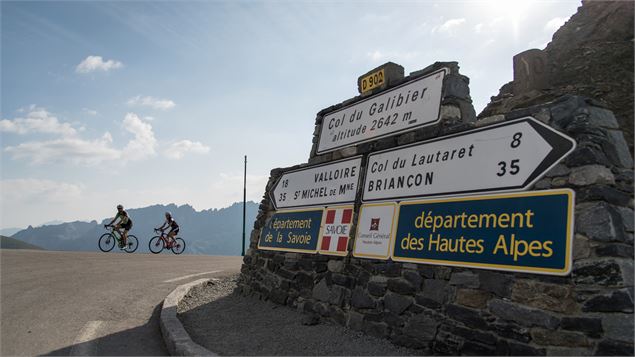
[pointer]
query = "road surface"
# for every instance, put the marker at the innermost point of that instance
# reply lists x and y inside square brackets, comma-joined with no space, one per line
[86,303]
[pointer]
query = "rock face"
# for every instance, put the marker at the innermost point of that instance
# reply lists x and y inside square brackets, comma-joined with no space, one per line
[591,55]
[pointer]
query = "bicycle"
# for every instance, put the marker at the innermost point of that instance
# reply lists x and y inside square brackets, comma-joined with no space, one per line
[158,243]
[107,241]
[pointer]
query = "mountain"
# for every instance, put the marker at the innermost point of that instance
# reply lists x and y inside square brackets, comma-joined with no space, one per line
[8,232]
[10,243]
[213,231]
[65,236]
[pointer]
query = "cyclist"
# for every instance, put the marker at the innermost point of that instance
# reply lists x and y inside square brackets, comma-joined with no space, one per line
[124,222]
[170,223]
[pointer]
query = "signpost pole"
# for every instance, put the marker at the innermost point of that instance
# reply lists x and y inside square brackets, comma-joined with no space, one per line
[244,203]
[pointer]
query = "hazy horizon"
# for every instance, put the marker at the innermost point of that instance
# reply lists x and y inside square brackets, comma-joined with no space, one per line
[57,222]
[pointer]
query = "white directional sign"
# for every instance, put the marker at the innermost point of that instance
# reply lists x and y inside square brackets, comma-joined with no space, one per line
[411,105]
[331,183]
[508,156]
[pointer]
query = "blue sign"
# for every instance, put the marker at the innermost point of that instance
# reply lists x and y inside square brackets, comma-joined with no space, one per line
[527,232]
[292,231]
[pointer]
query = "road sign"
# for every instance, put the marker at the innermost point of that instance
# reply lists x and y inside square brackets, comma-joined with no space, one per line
[503,157]
[292,231]
[375,228]
[372,81]
[331,183]
[523,232]
[336,230]
[408,106]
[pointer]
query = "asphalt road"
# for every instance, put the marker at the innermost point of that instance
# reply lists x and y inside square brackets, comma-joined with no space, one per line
[81,303]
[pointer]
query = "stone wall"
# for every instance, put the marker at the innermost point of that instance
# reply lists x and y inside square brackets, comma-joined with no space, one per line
[447,310]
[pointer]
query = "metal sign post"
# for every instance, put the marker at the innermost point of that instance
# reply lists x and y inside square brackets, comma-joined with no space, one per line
[244,203]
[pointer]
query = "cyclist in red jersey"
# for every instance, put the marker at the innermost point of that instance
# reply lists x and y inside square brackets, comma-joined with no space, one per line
[170,223]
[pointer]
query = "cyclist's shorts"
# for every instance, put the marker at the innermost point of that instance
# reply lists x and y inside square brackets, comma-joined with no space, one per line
[175,231]
[128,225]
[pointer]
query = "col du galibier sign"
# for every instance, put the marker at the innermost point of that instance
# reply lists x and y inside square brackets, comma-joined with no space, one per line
[413,104]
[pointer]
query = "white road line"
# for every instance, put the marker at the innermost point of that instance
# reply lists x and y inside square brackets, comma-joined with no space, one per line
[83,345]
[191,276]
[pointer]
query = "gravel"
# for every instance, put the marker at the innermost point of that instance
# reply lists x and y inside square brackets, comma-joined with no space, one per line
[230,324]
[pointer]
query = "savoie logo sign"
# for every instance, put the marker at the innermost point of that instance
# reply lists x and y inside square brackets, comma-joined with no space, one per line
[292,231]
[522,232]
[411,105]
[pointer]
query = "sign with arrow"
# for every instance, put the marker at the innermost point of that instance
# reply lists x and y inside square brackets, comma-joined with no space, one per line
[502,157]
[336,182]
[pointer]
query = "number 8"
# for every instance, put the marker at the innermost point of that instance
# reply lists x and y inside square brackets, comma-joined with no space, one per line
[516,142]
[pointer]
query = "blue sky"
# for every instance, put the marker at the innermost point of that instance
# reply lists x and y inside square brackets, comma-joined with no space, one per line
[140,103]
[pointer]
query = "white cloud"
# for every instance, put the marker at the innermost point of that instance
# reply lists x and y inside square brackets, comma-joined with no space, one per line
[96,63]
[37,120]
[449,27]
[178,149]
[73,150]
[478,28]
[155,103]
[144,143]
[554,24]
[70,147]
[36,190]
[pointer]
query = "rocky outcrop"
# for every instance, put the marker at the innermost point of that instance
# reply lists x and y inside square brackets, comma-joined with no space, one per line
[590,55]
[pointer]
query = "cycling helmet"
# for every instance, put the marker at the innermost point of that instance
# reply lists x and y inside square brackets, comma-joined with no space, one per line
[119,207]
[168,214]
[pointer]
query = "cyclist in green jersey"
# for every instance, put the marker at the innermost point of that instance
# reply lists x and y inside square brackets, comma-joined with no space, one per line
[124,222]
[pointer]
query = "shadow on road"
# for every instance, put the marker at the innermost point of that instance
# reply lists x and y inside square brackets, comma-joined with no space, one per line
[137,341]
[228,323]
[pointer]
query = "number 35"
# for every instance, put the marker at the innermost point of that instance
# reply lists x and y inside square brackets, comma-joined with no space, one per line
[513,165]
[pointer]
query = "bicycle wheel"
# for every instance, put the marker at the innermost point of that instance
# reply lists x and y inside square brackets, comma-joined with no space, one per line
[106,242]
[156,244]
[131,244]
[178,246]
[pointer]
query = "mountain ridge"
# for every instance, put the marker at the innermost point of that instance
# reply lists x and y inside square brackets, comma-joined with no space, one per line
[211,231]
[12,243]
